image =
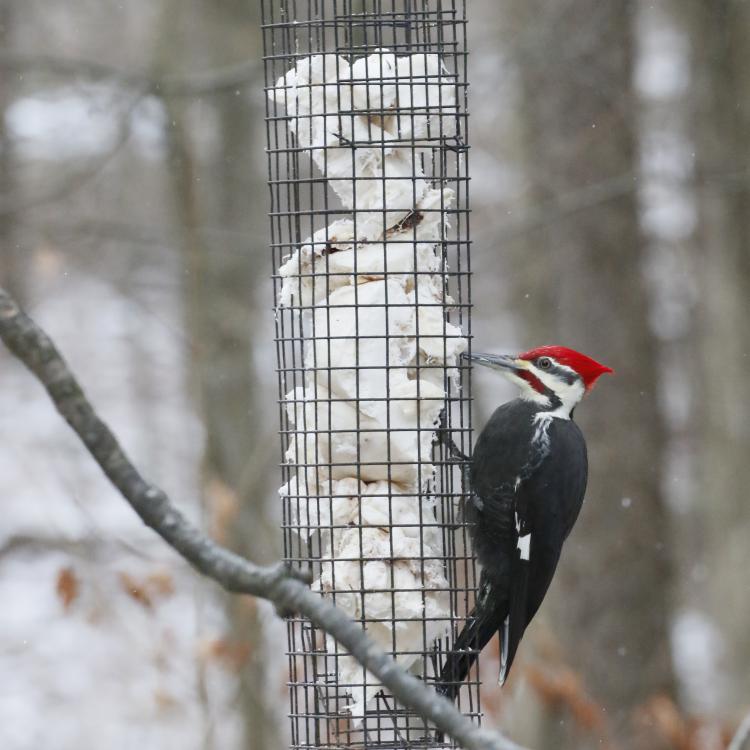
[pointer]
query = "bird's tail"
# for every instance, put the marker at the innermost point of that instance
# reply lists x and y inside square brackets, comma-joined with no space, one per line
[483,622]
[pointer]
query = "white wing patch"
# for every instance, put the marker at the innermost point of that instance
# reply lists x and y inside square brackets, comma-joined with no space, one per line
[524,542]
[524,546]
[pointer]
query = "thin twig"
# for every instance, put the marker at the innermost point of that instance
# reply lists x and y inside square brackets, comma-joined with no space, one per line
[82,177]
[286,587]
[741,736]
[199,83]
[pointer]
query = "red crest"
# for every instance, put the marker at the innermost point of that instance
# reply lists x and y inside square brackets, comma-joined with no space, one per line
[589,369]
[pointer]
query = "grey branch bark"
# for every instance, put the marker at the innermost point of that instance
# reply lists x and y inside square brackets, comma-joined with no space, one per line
[742,735]
[286,587]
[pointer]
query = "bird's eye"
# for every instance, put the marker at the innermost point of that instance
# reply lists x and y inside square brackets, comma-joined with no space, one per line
[544,363]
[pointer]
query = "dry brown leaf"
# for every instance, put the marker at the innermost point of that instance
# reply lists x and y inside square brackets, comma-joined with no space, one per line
[563,688]
[145,591]
[660,716]
[48,260]
[67,587]
[160,583]
[164,701]
[341,728]
[224,505]
[135,590]
[247,607]
[231,654]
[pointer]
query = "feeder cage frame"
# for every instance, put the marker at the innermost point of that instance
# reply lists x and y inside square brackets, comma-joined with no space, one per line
[302,203]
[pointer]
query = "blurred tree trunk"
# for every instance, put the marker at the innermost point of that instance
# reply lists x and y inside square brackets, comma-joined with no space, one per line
[578,282]
[720,35]
[11,275]
[222,227]
[244,274]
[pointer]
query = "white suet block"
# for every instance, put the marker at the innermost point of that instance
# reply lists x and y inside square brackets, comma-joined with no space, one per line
[371,288]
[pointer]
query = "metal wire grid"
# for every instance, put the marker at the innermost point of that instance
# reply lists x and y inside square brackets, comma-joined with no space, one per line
[301,204]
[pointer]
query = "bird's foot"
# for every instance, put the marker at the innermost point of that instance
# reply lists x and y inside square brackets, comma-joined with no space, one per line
[456,455]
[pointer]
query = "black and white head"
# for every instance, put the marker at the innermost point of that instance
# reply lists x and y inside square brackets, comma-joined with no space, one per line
[555,377]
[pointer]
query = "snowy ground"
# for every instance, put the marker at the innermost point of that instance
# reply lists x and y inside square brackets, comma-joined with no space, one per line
[104,633]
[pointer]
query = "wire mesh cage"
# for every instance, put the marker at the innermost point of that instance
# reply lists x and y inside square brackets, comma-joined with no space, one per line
[367,157]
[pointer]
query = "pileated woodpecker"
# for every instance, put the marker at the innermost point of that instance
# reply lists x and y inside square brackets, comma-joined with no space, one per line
[528,478]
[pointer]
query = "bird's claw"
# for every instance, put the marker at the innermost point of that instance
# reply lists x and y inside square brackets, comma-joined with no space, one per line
[456,455]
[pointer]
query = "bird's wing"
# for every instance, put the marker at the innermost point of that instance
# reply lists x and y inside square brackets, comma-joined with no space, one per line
[522,580]
[545,512]
[524,501]
[518,595]
[552,519]
[503,540]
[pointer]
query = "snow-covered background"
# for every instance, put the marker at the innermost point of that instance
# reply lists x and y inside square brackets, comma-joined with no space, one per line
[105,632]
[133,227]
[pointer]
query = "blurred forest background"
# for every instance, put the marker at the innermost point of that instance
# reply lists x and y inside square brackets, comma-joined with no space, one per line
[611,212]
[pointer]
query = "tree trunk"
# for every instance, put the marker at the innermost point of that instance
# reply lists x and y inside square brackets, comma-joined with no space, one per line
[578,282]
[11,275]
[720,33]
[222,228]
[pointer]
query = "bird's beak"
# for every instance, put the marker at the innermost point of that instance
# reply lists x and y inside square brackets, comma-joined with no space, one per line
[504,362]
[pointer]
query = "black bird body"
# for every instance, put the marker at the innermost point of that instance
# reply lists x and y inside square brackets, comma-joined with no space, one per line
[545,496]
[528,479]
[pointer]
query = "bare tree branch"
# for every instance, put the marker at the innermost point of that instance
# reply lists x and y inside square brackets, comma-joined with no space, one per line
[214,81]
[739,741]
[199,83]
[86,547]
[286,587]
[78,180]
